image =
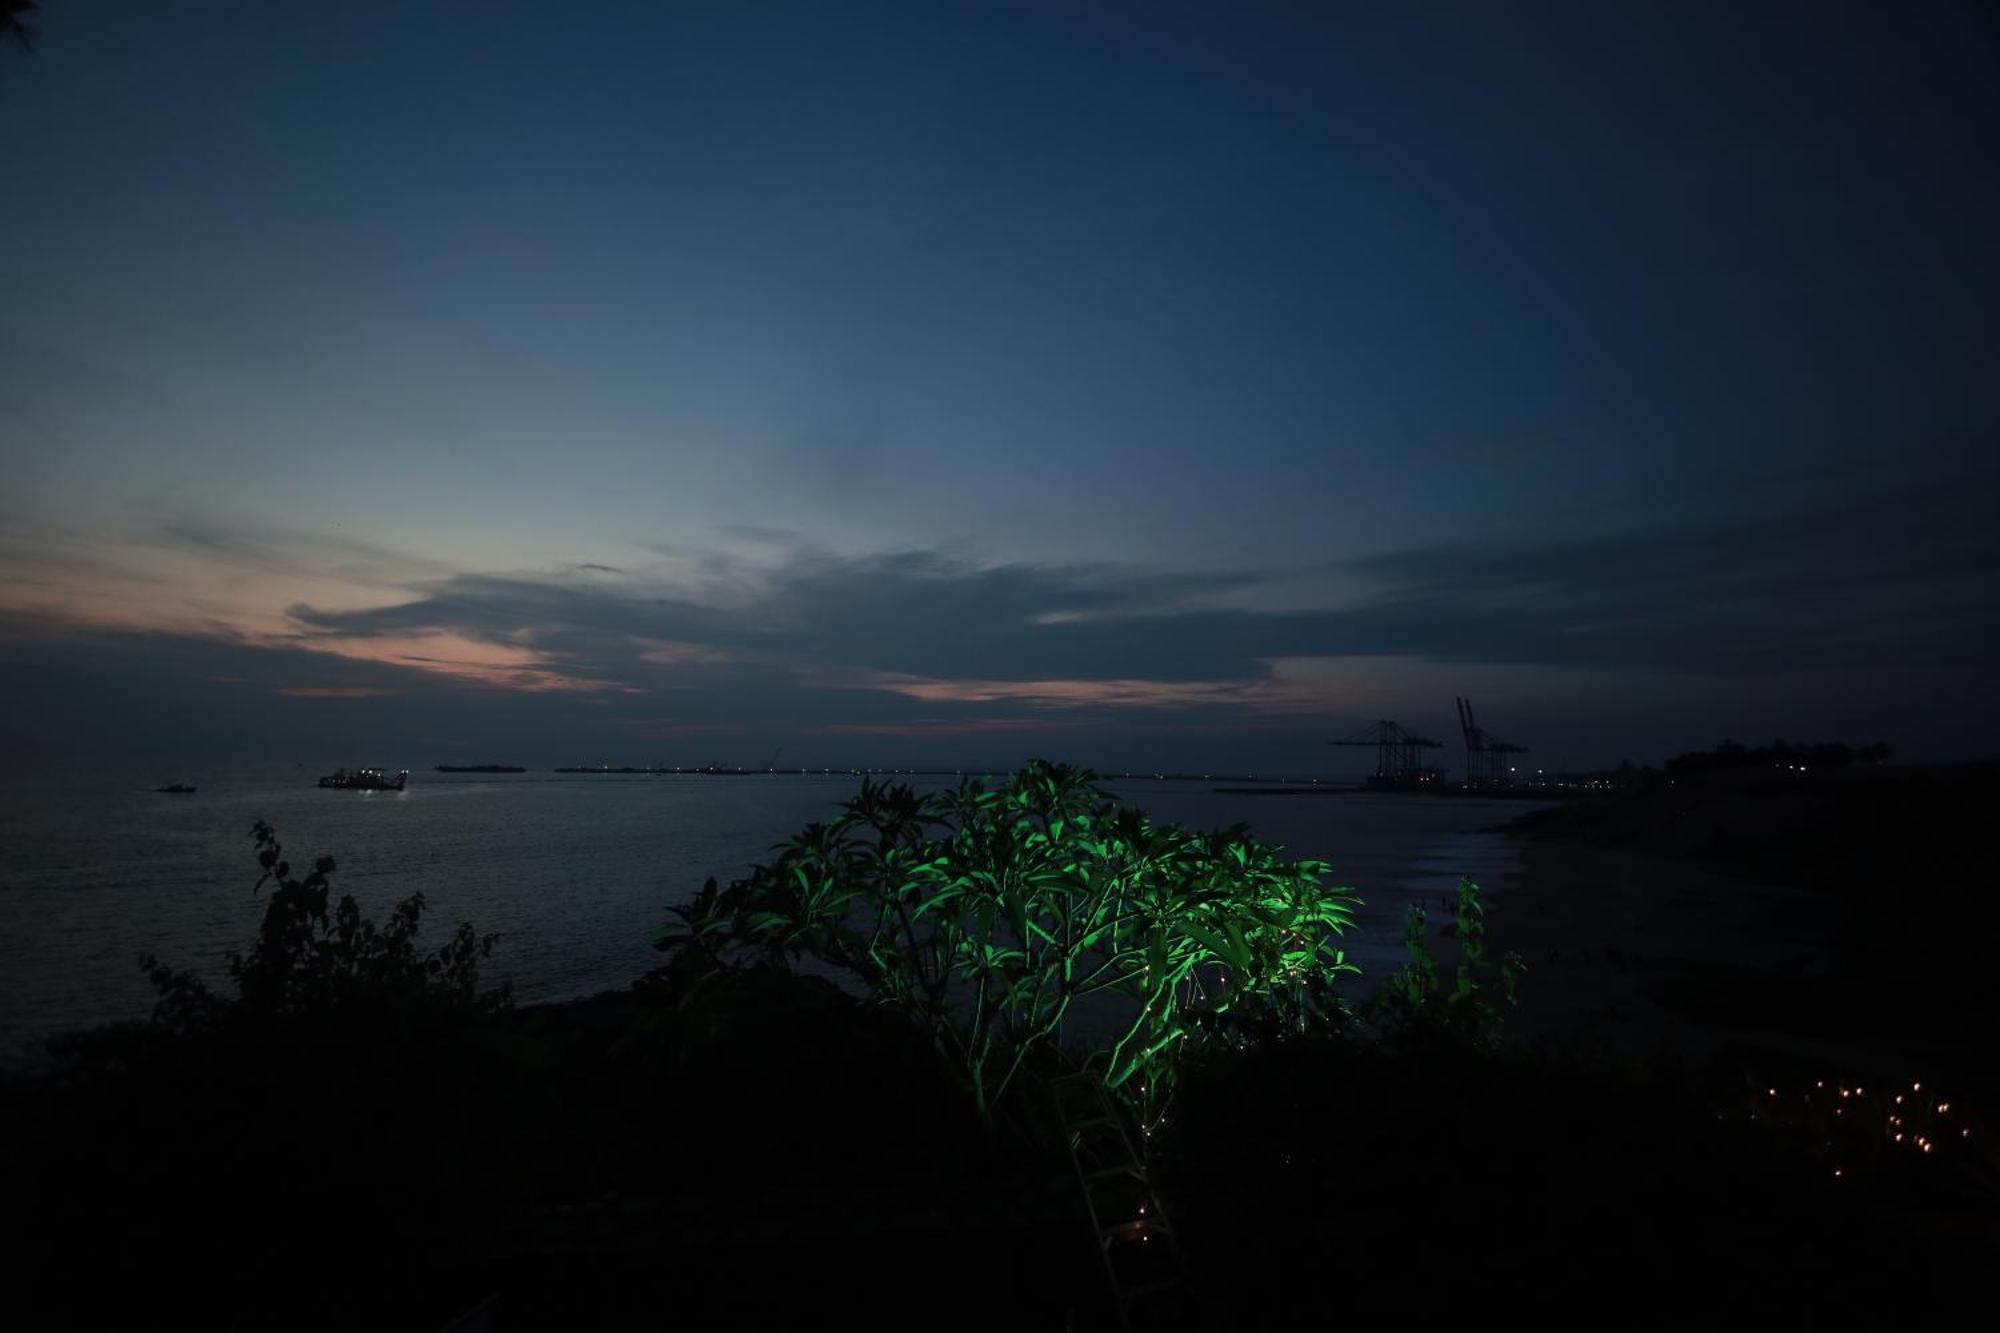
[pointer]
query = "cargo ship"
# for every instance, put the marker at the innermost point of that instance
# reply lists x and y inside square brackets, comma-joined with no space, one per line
[365,779]
[479,768]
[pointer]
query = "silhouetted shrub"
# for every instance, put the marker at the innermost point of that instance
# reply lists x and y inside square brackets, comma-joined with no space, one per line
[311,964]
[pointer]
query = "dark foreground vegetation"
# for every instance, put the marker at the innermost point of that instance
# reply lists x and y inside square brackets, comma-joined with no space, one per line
[1902,857]
[795,1123]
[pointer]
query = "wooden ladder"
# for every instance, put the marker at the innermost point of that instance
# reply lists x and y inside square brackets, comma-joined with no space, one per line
[1135,1238]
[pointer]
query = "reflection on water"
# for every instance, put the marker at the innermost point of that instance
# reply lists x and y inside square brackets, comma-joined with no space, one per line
[573,871]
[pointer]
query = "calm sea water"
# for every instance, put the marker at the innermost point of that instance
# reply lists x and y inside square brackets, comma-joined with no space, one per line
[573,871]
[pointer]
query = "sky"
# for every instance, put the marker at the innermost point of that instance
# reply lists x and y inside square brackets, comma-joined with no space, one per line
[1151,386]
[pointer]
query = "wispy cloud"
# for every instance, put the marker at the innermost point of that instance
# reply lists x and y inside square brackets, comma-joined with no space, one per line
[1075,693]
[331,692]
[268,549]
[946,728]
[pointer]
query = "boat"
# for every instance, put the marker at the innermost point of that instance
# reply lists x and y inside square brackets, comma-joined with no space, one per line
[175,789]
[365,779]
[479,768]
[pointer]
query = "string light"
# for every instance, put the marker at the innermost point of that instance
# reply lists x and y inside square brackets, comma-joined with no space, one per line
[1902,1123]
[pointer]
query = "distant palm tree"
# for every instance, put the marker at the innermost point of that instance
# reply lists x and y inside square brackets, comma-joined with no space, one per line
[16,25]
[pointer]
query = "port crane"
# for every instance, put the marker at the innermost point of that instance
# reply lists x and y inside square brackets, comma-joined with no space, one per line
[1398,754]
[1485,754]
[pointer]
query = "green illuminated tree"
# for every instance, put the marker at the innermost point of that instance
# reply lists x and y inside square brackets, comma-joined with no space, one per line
[1037,926]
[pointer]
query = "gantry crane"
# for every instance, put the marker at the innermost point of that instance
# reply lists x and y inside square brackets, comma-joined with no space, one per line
[1398,754]
[1485,754]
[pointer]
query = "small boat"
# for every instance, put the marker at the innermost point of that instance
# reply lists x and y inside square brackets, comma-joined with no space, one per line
[365,779]
[175,789]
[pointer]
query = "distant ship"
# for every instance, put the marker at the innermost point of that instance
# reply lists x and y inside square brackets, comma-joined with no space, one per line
[480,768]
[365,779]
[175,789]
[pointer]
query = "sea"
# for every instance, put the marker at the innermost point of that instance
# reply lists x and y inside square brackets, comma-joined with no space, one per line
[574,872]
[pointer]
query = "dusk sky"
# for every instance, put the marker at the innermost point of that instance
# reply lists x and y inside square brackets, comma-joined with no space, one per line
[1157,385]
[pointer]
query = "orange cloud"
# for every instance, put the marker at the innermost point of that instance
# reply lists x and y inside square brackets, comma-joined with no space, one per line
[1072,693]
[968,727]
[331,692]
[1294,686]
[478,661]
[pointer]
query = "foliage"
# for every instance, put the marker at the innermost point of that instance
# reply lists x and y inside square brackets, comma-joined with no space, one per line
[1414,1004]
[17,23]
[1037,923]
[1733,756]
[346,1091]
[309,961]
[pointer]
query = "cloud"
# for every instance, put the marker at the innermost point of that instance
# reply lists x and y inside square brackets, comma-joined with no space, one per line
[269,549]
[1843,588]
[1067,694]
[946,728]
[787,640]
[1901,575]
[1847,586]
[919,614]
[331,692]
